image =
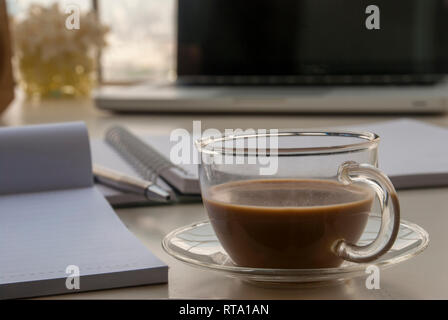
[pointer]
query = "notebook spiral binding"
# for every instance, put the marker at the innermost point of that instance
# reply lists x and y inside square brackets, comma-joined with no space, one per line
[143,158]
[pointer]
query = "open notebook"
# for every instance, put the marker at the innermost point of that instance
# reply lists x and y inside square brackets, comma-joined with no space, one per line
[412,153]
[52,217]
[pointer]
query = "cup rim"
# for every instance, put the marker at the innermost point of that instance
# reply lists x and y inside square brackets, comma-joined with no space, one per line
[370,140]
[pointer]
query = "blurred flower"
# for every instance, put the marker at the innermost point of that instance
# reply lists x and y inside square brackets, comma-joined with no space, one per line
[52,57]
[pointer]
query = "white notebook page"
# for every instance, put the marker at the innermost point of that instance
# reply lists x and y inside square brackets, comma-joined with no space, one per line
[51,217]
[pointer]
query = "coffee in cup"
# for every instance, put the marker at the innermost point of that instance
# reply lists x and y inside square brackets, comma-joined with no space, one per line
[310,214]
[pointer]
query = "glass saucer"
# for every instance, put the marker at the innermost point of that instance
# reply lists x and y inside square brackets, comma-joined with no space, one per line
[198,246]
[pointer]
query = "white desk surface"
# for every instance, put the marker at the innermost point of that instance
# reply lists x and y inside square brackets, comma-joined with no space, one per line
[424,277]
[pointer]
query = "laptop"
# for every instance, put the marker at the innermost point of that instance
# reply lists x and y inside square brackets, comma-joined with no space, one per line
[300,56]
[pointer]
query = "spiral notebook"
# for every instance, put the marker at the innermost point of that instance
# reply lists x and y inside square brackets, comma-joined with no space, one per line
[411,152]
[144,157]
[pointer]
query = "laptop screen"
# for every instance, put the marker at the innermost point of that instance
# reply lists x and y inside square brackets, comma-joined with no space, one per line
[285,38]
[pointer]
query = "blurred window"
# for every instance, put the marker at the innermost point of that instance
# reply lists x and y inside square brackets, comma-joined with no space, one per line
[141,39]
[18,8]
[140,43]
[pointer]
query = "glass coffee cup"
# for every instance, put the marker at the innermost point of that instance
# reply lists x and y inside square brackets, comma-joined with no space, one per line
[295,198]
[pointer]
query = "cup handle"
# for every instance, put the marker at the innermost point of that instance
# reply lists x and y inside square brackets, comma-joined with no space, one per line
[350,172]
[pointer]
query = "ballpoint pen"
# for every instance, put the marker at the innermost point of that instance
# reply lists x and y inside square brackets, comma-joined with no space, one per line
[130,184]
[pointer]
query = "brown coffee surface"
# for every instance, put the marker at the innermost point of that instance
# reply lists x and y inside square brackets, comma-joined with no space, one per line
[287,223]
